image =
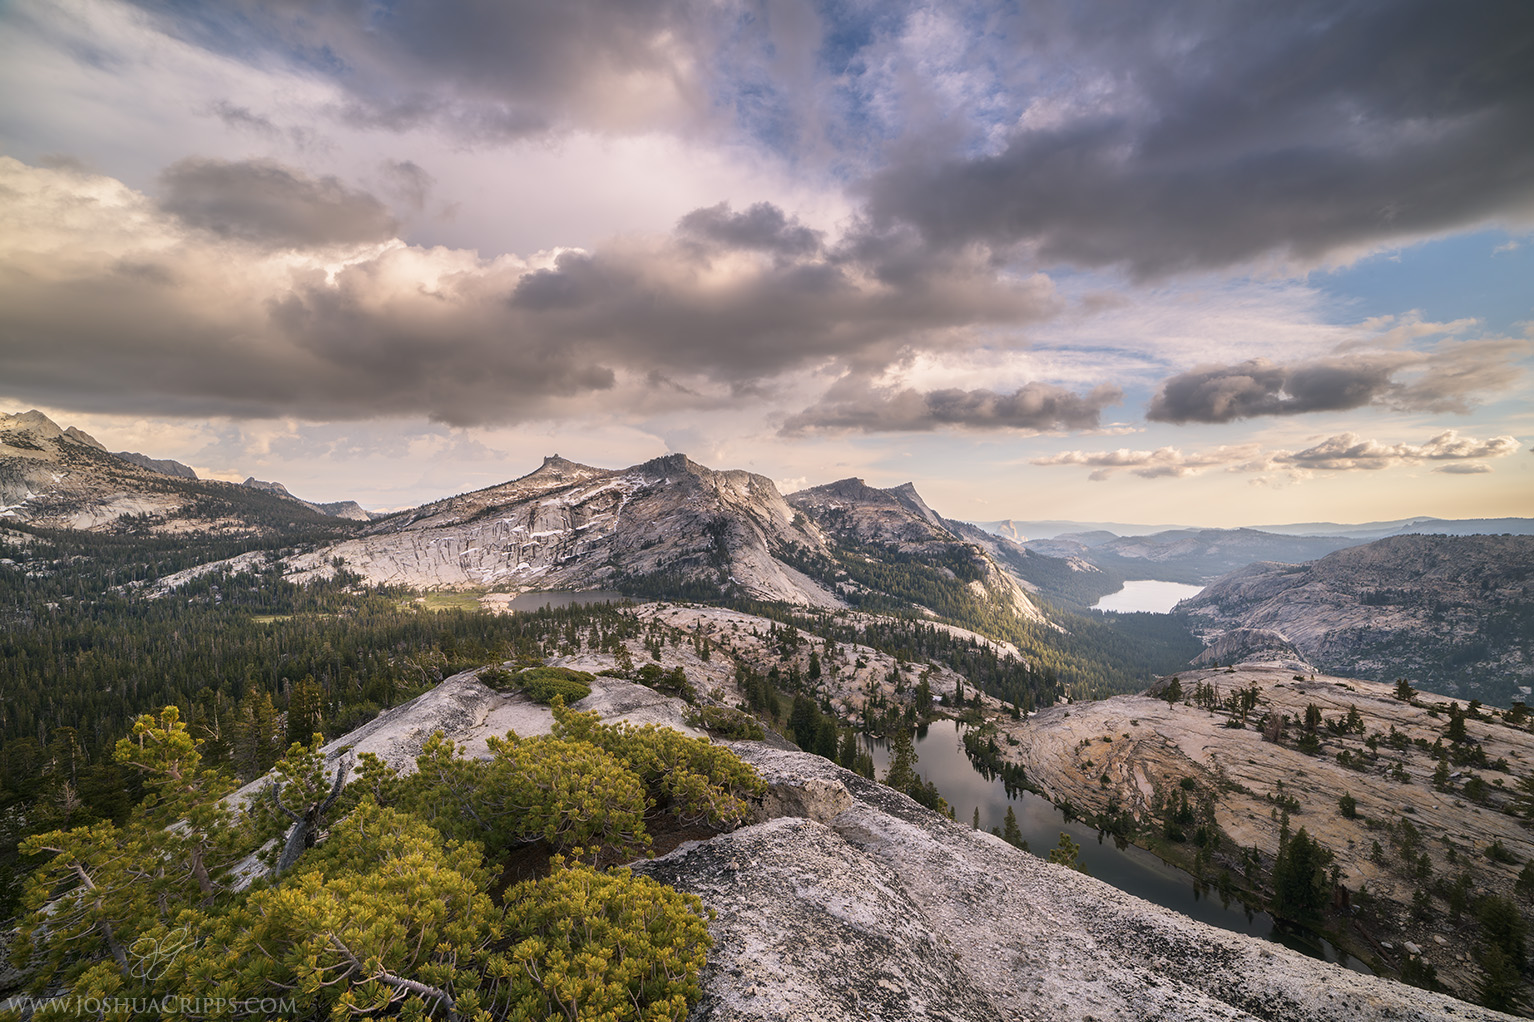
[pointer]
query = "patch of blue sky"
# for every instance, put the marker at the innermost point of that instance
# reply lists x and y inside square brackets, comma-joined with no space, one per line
[1487,274]
[228,30]
[850,27]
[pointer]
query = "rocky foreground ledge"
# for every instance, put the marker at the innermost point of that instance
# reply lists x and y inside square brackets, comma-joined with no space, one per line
[869,906]
[850,901]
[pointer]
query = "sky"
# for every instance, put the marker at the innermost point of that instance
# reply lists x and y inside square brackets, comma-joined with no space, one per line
[1209,263]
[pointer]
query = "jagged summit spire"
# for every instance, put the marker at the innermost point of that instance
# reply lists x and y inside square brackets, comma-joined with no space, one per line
[44,428]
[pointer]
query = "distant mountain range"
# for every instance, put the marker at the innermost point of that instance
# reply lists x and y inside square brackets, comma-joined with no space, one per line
[1450,611]
[65,479]
[1027,531]
[1199,556]
[1454,613]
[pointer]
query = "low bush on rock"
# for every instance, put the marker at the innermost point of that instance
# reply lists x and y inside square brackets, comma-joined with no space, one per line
[543,684]
[395,911]
[726,722]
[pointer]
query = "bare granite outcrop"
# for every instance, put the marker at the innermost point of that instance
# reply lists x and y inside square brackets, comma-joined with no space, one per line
[890,911]
[851,901]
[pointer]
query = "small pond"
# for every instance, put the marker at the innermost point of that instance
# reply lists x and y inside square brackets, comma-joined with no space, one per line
[1147,596]
[540,600]
[941,760]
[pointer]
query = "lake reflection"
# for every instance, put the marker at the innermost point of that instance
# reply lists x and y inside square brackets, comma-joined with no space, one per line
[539,600]
[941,760]
[1147,596]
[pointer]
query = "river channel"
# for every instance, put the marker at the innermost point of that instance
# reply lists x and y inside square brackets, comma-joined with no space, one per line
[941,760]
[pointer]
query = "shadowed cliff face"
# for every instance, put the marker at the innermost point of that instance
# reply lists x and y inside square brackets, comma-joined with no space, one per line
[896,523]
[1447,611]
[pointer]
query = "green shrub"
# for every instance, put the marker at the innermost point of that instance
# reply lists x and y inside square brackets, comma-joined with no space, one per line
[1499,852]
[691,777]
[570,793]
[673,682]
[498,678]
[391,915]
[600,945]
[542,684]
[726,722]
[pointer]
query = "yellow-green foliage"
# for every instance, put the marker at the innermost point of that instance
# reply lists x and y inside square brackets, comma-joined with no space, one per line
[390,914]
[571,793]
[568,792]
[122,882]
[542,684]
[726,722]
[381,911]
[592,945]
[693,778]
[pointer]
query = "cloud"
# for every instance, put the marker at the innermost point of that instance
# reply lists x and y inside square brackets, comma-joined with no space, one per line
[264,202]
[763,227]
[408,183]
[242,118]
[493,70]
[108,300]
[1447,452]
[1182,136]
[1347,451]
[852,404]
[1156,464]
[1451,378]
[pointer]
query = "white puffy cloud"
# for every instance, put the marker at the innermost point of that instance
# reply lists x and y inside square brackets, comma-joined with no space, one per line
[1447,452]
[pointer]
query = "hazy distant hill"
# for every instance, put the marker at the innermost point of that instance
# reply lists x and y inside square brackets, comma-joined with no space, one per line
[1453,612]
[164,466]
[1187,555]
[1023,531]
[338,509]
[1198,556]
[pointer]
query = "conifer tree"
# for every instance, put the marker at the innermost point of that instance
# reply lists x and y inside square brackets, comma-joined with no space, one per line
[1010,832]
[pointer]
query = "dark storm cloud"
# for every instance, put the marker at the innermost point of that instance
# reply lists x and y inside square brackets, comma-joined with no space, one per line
[265,202]
[669,303]
[763,227]
[1258,387]
[142,311]
[1203,135]
[854,405]
[1449,379]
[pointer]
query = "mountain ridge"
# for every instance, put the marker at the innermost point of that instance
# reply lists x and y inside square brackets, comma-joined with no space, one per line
[1448,611]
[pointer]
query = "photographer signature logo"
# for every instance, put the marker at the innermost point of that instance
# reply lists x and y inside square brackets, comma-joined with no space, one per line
[150,957]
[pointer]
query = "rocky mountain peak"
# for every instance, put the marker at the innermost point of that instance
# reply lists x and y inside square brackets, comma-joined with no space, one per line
[906,494]
[79,436]
[33,421]
[164,466]
[851,488]
[674,464]
[267,487]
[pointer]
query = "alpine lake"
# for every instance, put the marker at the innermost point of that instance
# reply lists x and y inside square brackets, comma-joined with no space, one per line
[941,760]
